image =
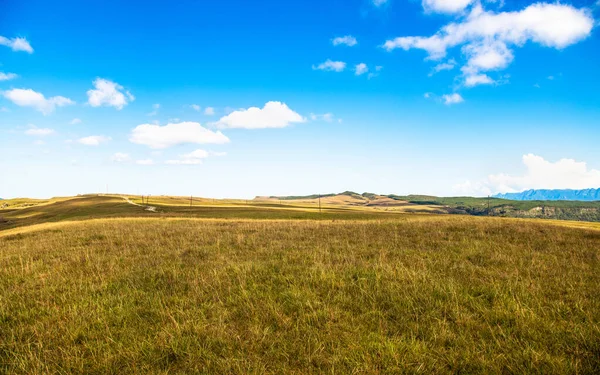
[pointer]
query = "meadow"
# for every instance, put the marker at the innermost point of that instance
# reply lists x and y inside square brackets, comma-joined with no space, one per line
[95,285]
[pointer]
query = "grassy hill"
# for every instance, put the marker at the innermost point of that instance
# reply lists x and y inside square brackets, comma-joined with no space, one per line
[96,285]
[559,210]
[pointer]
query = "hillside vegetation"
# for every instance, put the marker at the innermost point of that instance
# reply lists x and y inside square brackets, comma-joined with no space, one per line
[543,209]
[96,285]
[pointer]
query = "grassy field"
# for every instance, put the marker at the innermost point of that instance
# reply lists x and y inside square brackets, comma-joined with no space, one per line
[96,285]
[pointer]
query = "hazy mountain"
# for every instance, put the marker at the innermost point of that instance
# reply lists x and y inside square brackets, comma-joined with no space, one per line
[553,195]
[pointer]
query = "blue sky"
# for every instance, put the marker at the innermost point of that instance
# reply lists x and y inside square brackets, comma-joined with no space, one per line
[238,98]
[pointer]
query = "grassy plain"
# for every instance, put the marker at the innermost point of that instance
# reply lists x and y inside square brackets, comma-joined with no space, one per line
[96,285]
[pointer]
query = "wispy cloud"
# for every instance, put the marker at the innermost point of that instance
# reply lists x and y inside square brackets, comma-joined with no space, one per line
[120,157]
[379,3]
[36,100]
[16,44]
[7,76]
[93,140]
[361,69]
[329,65]
[155,108]
[347,40]
[39,132]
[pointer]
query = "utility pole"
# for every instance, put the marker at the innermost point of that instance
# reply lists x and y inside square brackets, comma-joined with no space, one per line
[488,212]
[191,200]
[319,203]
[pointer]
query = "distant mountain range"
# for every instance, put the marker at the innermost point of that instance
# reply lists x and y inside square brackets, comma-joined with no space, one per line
[586,195]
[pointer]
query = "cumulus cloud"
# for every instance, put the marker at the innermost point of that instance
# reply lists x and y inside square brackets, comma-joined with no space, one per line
[272,115]
[379,3]
[209,111]
[487,38]
[361,69]
[36,100]
[159,137]
[347,40]
[452,99]
[478,79]
[108,93]
[16,44]
[332,66]
[539,174]
[39,132]
[7,76]
[120,157]
[75,121]
[93,140]
[195,107]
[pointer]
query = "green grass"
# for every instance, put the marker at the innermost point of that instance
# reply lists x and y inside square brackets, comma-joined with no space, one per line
[399,294]
[560,210]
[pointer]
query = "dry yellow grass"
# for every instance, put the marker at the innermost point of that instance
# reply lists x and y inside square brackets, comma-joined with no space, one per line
[414,294]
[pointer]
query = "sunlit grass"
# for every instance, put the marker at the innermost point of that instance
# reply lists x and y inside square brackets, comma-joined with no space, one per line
[406,294]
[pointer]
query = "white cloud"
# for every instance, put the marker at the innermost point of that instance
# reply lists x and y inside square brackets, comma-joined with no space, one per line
[16,44]
[539,174]
[108,93]
[347,40]
[144,162]
[272,115]
[39,142]
[120,157]
[195,107]
[445,6]
[487,37]
[7,76]
[155,108]
[378,69]
[75,121]
[193,158]
[36,100]
[39,132]
[478,79]
[449,65]
[379,3]
[427,95]
[93,140]
[452,99]
[327,117]
[335,66]
[159,137]
[360,69]
[551,78]
[209,111]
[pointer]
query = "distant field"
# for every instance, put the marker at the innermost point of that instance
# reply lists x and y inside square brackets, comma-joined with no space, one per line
[97,285]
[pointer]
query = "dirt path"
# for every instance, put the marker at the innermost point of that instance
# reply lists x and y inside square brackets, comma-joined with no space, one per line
[148,208]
